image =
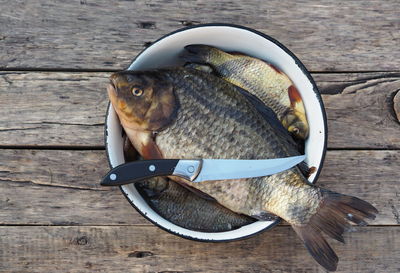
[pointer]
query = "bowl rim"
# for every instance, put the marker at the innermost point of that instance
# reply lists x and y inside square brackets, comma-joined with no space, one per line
[302,68]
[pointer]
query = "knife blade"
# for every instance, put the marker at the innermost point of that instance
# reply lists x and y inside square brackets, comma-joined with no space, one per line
[198,170]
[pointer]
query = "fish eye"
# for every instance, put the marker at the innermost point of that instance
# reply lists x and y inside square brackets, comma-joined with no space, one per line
[136,91]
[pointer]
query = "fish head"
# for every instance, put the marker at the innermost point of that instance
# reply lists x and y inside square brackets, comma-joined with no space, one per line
[142,100]
[296,123]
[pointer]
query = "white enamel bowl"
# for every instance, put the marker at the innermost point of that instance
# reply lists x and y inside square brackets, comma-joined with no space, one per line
[165,51]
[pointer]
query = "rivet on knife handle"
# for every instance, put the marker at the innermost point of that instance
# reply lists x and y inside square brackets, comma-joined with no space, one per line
[188,169]
[139,170]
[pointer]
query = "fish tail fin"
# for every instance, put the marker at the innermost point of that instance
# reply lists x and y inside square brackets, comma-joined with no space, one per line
[317,246]
[204,54]
[332,217]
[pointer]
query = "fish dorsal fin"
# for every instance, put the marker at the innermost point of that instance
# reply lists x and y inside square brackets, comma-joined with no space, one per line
[269,115]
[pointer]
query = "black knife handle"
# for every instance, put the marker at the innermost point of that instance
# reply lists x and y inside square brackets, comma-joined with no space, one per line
[138,170]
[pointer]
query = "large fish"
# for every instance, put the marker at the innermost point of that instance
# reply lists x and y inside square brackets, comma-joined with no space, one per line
[258,77]
[183,113]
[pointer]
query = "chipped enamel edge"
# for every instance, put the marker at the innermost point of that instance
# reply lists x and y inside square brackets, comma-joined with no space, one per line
[164,53]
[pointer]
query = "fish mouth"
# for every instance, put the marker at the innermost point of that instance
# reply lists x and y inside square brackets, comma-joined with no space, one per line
[112,91]
[119,104]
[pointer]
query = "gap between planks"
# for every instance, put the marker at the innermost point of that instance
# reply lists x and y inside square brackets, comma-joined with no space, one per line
[102,148]
[152,225]
[94,70]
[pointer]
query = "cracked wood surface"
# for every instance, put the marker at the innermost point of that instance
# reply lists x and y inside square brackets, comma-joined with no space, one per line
[47,187]
[68,109]
[326,36]
[149,249]
[52,108]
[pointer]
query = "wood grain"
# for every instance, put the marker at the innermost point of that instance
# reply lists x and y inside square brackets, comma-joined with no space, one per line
[27,204]
[52,108]
[149,249]
[54,216]
[326,36]
[54,187]
[81,170]
[360,110]
[68,109]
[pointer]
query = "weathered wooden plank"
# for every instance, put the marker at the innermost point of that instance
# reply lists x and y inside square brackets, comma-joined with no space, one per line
[55,168]
[148,249]
[23,203]
[327,36]
[369,175]
[360,110]
[68,109]
[52,108]
[55,187]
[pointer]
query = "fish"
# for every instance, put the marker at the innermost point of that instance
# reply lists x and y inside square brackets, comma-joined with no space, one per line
[185,209]
[267,113]
[182,207]
[185,113]
[258,77]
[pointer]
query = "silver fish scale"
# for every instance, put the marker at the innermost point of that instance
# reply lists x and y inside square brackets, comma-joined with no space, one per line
[216,121]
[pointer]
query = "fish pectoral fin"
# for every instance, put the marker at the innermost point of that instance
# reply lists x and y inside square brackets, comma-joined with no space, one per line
[143,142]
[150,150]
[295,98]
[130,154]
[296,121]
[197,192]
[265,216]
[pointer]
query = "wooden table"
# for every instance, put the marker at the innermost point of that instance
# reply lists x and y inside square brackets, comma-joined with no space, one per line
[55,57]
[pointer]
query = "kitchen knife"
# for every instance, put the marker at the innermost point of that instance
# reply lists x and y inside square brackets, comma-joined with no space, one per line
[198,170]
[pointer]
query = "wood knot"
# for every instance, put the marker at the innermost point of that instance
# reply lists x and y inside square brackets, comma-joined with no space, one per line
[189,23]
[83,240]
[140,254]
[146,25]
[396,105]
